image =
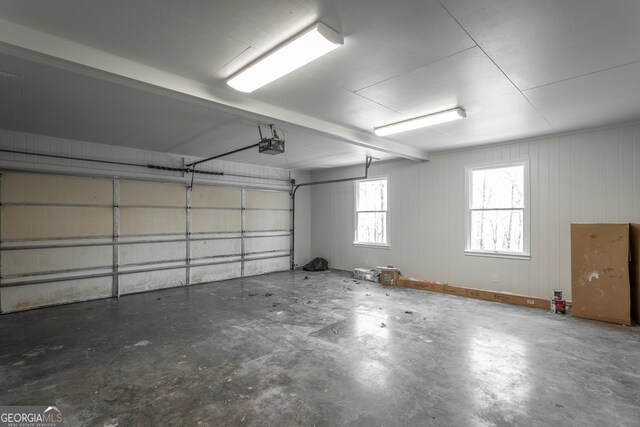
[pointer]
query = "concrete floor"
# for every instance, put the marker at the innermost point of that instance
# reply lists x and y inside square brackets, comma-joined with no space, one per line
[316,352]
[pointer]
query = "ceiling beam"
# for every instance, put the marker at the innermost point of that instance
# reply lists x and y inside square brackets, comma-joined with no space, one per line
[96,63]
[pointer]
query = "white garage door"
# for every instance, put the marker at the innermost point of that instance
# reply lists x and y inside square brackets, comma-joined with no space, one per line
[67,239]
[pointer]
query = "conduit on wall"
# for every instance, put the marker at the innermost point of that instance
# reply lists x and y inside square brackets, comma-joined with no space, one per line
[294,189]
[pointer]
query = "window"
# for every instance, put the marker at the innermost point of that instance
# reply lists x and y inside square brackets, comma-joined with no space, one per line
[497,203]
[371,212]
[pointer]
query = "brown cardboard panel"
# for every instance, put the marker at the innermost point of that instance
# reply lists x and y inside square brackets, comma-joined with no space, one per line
[635,271]
[600,272]
[503,297]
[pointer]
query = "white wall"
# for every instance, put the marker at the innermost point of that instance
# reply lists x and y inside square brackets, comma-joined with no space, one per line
[593,176]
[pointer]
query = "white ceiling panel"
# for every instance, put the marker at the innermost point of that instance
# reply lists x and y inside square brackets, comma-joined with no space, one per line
[454,81]
[65,104]
[495,109]
[428,138]
[218,139]
[137,30]
[300,92]
[541,42]
[262,24]
[151,74]
[384,39]
[593,100]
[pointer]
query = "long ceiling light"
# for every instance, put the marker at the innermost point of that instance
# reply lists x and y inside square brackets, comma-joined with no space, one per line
[311,44]
[420,122]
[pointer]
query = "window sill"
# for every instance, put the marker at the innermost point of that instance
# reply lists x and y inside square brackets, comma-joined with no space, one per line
[372,245]
[523,257]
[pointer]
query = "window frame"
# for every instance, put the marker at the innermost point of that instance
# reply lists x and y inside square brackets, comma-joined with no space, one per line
[526,211]
[355,216]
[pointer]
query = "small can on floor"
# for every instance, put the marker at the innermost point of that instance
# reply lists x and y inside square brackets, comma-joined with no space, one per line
[558,304]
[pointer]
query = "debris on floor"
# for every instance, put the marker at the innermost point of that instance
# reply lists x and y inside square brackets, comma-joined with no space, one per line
[268,294]
[408,312]
[253,294]
[335,331]
[316,264]
[366,274]
[389,275]
[306,277]
[383,325]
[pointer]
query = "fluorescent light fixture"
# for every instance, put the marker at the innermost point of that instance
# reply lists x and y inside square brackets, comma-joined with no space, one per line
[420,122]
[311,44]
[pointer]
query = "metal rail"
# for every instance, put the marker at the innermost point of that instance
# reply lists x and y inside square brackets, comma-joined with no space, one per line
[187,169]
[123,272]
[295,187]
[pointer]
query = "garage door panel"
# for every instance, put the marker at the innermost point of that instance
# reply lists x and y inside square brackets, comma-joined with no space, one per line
[39,261]
[215,248]
[263,244]
[41,222]
[266,220]
[139,193]
[46,210]
[149,221]
[144,253]
[216,197]
[151,280]
[213,273]
[255,199]
[55,189]
[263,266]
[17,298]
[215,220]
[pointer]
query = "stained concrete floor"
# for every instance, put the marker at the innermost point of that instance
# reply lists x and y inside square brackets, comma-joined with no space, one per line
[318,351]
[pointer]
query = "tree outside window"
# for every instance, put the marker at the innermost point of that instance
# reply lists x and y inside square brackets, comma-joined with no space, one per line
[497,203]
[371,212]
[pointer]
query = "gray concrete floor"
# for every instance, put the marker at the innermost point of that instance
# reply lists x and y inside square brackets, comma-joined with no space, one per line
[318,351]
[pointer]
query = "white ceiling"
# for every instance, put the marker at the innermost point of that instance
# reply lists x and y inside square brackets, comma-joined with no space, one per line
[151,74]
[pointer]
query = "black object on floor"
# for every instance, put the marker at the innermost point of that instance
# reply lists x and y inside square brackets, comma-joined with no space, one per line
[317,264]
